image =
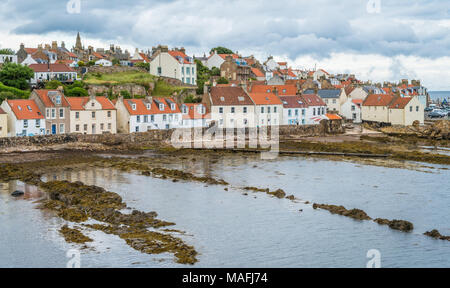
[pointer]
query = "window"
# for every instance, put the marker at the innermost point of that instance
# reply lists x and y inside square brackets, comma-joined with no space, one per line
[245,109]
[410,108]
[136,129]
[289,112]
[232,109]
[77,127]
[109,126]
[274,109]
[58,99]
[152,118]
[47,113]
[268,109]
[334,101]
[93,115]
[53,113]
[314,111]
[25,123]
[92,104]
[61,113]
[417,108]
[164,117]
[221,110]
[353,107]
[296,112]
[85,127]
[109,114]
[61,129]
[145,119]
[303,112]
[262,109]
[77,115]
[138,119]
[38,123]
[102,126]
[133,106]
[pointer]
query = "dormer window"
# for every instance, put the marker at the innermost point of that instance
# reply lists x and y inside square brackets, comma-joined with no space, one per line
[20,108]
[185,109]
[149,106]
[172,106]
[222,99]
[29,108]
[240,98]
[161,107]
[58,100]
[133,106]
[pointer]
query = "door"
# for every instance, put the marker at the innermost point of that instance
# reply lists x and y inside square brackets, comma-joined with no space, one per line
[53,129]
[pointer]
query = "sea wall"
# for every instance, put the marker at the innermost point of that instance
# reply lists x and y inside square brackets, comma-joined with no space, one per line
[154,136]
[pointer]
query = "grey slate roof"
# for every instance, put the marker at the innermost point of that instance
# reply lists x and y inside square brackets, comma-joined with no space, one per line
[325,93]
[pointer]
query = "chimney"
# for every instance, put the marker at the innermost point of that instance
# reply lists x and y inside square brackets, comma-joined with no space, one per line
[182,50]
[60,89]
[22,46]
[47,47]
[40,47]
[54,45]
[92,96]
[205,89]
[275,91]
[120,99]
[63,45]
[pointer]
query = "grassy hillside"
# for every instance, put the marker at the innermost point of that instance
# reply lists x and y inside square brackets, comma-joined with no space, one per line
[129,77]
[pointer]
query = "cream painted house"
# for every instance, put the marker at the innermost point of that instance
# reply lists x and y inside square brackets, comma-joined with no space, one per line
[356,93]
[231,107]
[375,108]
[3,123]
[92,115]
[174,64]
[405,110]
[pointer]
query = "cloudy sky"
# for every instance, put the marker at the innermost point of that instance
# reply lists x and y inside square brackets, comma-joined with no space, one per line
[393,40]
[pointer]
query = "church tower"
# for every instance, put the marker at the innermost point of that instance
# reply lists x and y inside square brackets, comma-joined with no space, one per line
[78,45]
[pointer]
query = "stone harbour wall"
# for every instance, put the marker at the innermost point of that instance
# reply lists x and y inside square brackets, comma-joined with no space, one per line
[154,136]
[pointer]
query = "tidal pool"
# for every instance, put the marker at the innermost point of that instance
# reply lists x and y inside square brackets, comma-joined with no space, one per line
[230,229]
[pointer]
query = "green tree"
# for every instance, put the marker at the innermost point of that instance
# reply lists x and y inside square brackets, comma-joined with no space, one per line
[146,66]
[222,80]
[76,92]
[115,62]
[215,71]
[125,94]
[81,64]
[203,75]
[7,51]
[16,75]
[53,84]
[222,50]
[6,95]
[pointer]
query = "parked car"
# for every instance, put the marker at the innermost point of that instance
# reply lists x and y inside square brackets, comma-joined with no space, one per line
[435,114]
[428,109]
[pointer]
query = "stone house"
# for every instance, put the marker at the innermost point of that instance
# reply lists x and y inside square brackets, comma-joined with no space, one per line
[56,110]
[235,69]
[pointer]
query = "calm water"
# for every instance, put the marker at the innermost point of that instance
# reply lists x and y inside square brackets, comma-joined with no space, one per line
[441,95]
[230,229]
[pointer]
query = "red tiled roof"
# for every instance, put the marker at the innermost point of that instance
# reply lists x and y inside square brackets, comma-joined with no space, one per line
[313,100]
[378,100]
[224,56]
[144,56]
[53,68]
[98,55]
[141,106]
[357,101]
[31,50]
[227,96]
[193,113]
[71,54]
[20,109]
[349,89]
[400,103]
[293,102]
[174,54]
[77,103]
[257,72]
[43,95]
[333,116]
[265,99]
[283,90]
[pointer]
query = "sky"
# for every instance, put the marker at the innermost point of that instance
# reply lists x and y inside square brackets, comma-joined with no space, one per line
[379,40]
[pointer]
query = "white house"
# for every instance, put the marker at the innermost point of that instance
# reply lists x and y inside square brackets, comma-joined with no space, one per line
[351,110]
[174,64]
[195,115]
[317,109]
[294,110]
[8,58]
[268,108]
[320,74]
[29,61]
[142,115]
[271,64]
[47,72]
[24,118]
[103,62]
[231,107]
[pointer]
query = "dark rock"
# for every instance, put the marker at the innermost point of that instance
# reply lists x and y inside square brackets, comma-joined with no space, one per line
[17,193]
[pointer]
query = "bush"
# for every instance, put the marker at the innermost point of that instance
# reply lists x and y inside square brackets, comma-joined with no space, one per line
[16,75]
[222,80]
[53,84]
[14,91]
[125,94]
[76,92]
